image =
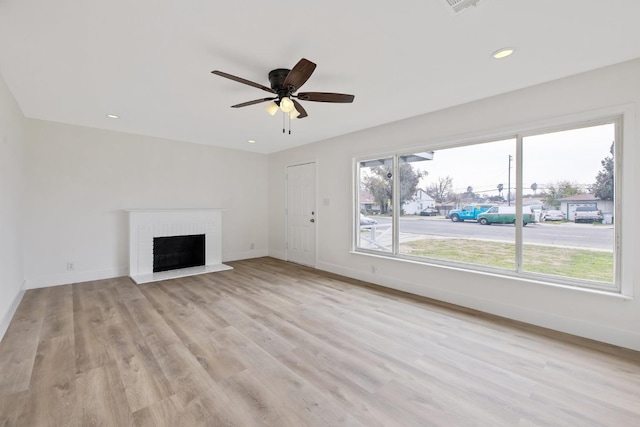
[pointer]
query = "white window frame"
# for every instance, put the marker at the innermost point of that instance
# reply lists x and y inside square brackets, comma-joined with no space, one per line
[624,248]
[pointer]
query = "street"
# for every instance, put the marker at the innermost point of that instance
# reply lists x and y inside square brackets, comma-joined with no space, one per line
[599,237]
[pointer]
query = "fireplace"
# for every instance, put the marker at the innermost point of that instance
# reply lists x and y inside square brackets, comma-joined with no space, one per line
[165,244]
[173,252]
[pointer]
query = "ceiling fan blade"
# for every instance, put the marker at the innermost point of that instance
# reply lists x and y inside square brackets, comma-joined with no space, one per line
[299,74]
[325,97]
[255,101]
[299,109]
[241,80]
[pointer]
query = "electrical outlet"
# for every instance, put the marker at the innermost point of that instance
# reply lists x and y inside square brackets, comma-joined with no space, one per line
[252,246]
[70,266]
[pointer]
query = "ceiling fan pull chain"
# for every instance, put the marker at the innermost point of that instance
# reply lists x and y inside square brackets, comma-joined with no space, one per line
[289,125]
[283,123]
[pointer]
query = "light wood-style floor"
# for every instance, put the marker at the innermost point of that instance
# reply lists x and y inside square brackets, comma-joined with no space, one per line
[274,344]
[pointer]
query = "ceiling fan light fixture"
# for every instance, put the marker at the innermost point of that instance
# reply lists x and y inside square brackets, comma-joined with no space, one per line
[272,108]
[294,114]
[286,105]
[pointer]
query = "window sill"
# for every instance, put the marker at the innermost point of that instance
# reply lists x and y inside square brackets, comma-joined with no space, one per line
[523,279]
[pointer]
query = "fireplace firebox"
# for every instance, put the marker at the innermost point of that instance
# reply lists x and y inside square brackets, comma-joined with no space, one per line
[174,252]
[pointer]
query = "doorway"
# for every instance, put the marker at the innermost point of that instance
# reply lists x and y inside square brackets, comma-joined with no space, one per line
[301,214]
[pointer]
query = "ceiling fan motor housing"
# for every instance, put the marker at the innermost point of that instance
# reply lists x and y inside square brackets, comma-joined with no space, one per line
[276,78]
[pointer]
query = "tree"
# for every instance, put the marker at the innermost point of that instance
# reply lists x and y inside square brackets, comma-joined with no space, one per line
[500,188]
[409,179]
[380,184]
[469,195]
[603,188]
[534,187]
[559,190]
[440,189]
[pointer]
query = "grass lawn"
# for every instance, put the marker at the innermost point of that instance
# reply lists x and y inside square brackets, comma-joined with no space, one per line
[565,262]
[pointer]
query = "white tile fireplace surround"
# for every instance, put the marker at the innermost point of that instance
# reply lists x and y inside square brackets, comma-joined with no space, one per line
[145,225]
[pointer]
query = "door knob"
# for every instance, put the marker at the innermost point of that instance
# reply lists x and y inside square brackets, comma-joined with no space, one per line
[312,220]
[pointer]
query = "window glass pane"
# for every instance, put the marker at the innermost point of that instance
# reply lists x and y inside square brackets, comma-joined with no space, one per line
[445,194]
[375,201]
[568,180]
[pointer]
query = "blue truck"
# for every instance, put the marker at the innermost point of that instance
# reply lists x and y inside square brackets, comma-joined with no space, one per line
[468,213]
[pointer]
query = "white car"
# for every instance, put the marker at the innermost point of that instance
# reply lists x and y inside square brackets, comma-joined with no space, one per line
[365,220]
[554,215]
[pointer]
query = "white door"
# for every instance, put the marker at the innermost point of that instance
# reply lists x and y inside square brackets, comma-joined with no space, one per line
[301,214]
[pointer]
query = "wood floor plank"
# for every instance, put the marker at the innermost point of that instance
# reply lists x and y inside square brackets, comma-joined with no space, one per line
[101,398]
[275,393]
[91,340]
[168,411]
[143,380]
[202,397]
[343,393]
[197,332]
[419,406]
[55,363]
[271,343]
[12,408]
[58,318]
[53,388]
[150,323]
[48,406]
[593,411]
[20,342]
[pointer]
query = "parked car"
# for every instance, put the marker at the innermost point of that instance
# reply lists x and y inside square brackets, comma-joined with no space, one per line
[554,215]
[538,212]
[365,220]
[505,215]
[468,213]
[587,214]
[429,212]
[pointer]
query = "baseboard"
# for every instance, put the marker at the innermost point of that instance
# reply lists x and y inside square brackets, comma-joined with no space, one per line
[6,319]
[282,255]
[581,328]
[86,276]
[75,277]
[236,256]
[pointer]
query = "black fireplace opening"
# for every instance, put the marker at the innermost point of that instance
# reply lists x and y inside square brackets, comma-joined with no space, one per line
[170,253]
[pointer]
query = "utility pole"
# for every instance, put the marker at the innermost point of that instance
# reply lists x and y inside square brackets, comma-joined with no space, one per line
[509,183]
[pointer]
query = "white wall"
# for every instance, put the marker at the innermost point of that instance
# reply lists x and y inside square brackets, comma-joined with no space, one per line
[79,181]
[605,318]
[12,143]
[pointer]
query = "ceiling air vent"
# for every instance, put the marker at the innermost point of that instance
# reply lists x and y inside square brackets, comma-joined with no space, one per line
[457,6]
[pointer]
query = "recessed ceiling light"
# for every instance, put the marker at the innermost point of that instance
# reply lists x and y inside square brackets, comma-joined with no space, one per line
[113,116]
[251,141]
[503,53]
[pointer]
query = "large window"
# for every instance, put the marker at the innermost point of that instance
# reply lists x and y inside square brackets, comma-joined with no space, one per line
[540,204]
[571,174]
[375,219]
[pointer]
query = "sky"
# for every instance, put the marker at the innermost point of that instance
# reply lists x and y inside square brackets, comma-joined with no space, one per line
[573,156]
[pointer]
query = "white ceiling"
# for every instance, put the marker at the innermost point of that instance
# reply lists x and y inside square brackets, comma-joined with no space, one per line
[149,61]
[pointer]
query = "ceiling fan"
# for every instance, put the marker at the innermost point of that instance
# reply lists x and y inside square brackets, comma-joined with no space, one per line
[284,84]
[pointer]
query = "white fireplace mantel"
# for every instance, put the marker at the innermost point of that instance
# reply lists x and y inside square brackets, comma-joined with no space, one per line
[146,224]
